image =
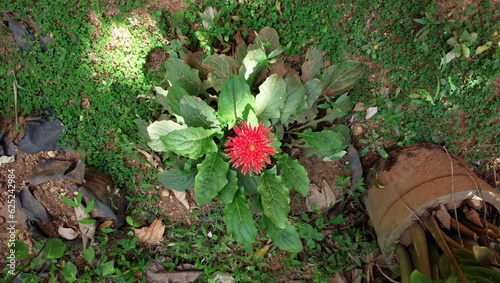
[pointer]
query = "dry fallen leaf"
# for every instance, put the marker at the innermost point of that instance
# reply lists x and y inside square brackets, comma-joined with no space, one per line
[259,253]
[443,216]
[370,112]
[67,233]
[184,273]
[88,230]
[474,217]
[181,197]
[320,198]
[152,234]
[222,278]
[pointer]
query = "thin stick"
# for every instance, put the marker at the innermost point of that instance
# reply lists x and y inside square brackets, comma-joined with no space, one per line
[14,85]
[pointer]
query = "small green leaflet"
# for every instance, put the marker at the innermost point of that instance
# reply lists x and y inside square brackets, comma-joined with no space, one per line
[275,198]
[191,142]
[197,113]
[180,74]
[211,177]
[294,174]
[325,140]
[177,180]
[286,238]
[89,254]
[270,99]
[69,202]
[234,98]
[239,220]
[89,206]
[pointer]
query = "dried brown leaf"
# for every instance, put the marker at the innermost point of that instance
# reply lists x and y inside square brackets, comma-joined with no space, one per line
[474,217]
[443,216]
[152,234]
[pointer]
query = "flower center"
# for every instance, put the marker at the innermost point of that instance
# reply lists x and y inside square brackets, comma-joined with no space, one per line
[251,147]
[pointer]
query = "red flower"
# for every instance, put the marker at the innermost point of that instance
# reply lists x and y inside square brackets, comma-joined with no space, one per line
[250,148]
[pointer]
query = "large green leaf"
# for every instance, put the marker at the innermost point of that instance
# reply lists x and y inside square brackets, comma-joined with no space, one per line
[220,68]
[339,78]
[270,99]
[286,238]
[313,91]
[249,183]
[313,64]
[234,98]
[295,101]
[197,113]
[325,140]
[180,74]
[239,220]
[230,189]
[69,271]
[191,142]
[54,248]
[158,129]
[294,175]
[211,177]
[275,198]
[177,180]
[174,97]
[254,63]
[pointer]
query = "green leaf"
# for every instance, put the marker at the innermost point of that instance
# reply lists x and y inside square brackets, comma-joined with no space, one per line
[295,101]
[89,254]
[220,68]
[79,198]
[89,206]
[158,129]
[69,271]
[286,238]
[86,221]
[239,220]
[228,192]
[339,78]
[325,140]
[177,180]
[197,113]
[54,248]
[21,250]
[234,98]
[313,64]
[452,41]
[174,96]
[191,142]
[417,277]
[482,48]
[269,101]
[108,268]
[211,177]
[253,61]
[249,183]
[132,221]
[466,51]
[161,97]
[313,88]
[69,202]
[275,198]
[180,74]
[294,175]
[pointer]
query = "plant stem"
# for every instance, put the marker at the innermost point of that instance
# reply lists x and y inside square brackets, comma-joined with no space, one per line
[419,239]
[432,226]
[405,266]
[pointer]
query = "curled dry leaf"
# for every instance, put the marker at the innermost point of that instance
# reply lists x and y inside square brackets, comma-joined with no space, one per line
[320,198]
[152,234]
[443,216]
[474,217]
[157,273]
[67,233]
[88,230]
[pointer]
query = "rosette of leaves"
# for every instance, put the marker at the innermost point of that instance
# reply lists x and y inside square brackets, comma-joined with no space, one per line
[208,95]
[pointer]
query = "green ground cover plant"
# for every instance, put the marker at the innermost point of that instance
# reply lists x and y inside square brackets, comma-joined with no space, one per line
[94,75]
